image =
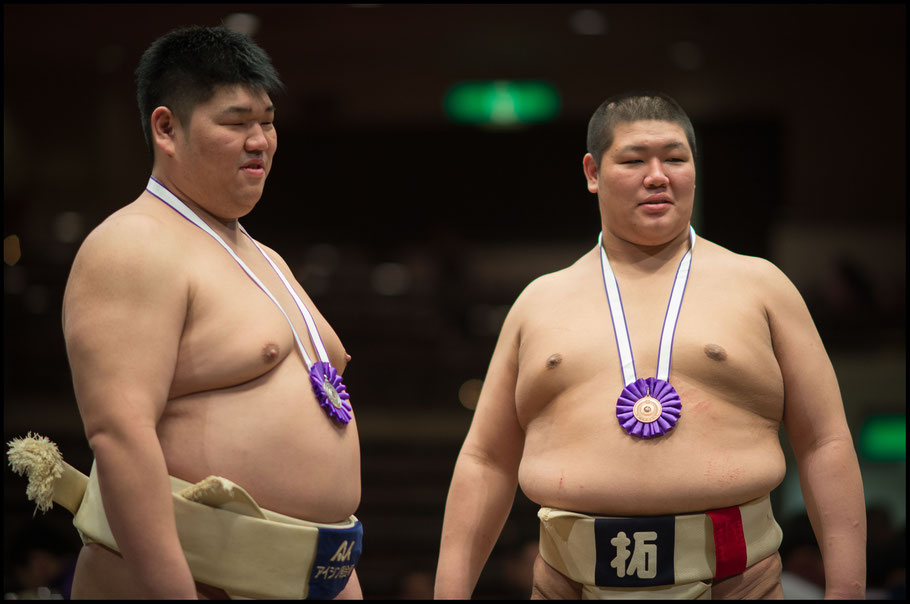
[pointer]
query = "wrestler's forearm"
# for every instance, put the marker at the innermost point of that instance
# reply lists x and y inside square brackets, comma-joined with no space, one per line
[478,504]
[833,493]
[137,499]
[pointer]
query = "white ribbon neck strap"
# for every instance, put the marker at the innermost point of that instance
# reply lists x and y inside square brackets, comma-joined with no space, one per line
[620,328]
[161,192]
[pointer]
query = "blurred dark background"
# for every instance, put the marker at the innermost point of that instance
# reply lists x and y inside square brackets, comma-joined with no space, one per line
[414,233]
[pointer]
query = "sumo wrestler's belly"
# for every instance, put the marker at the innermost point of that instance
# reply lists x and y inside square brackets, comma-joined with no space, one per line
[271,437]
[585,462]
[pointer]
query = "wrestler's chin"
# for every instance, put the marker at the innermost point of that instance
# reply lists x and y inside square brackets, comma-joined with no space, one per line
[247,198]
[658,228]
[655,234]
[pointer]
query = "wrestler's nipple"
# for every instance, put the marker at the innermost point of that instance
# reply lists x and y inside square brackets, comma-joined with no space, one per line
[715,352]
[270,352]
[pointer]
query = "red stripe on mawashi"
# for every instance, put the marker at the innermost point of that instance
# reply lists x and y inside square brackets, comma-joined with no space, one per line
[729,542]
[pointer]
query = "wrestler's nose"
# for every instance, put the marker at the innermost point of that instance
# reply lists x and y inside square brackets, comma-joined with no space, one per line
[257,140]
[656,177]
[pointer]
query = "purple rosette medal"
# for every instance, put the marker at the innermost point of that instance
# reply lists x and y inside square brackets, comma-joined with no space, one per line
[330,391]
[328,387]
[647,407]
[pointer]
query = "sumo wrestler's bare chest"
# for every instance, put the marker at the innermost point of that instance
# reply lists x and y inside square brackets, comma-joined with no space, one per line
[721,344]
[233,333]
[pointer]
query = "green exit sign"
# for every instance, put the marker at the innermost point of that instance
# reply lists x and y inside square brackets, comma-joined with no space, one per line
[502,102]
[884,438]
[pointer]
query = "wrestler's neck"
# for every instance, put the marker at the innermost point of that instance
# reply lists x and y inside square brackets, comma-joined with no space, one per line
[642,255]
[225,227]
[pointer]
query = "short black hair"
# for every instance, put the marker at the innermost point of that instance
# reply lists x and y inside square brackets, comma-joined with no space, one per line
[632,107]
[183,68]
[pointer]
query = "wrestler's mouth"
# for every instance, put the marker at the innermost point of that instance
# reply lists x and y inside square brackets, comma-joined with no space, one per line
[657,199]
[254,167]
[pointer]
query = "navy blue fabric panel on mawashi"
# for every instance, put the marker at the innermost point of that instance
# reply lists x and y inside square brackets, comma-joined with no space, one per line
[634,552]
[337,553]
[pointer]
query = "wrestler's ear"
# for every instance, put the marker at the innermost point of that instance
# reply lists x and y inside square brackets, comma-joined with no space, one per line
[591,172]
[164,127]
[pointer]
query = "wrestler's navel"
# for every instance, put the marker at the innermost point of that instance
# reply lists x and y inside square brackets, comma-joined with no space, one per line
[270,352]
[554,360]
[715,352]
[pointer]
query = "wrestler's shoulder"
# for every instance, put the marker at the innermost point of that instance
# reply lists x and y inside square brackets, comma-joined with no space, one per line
[136,219]
[137,234]
[273,255]
[715,257]
[552,288]
[757,277]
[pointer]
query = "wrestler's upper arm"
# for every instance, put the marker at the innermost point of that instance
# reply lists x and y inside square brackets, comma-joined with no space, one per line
[813,409]
[124,310]
[496,437]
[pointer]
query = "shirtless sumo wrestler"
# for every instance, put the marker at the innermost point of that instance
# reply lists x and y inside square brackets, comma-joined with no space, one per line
[183,366]
[746,358]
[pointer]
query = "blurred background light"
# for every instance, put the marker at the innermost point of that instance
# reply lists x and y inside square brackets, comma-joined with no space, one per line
[244,23]
[110,58]
[686,55]
[36,299]
[322,259]
[884,438]
[588,22]
[14,280]
[318,265]
[469,393]
[502,102]
[68,227]
[11,250]
[391,279]
[487,319]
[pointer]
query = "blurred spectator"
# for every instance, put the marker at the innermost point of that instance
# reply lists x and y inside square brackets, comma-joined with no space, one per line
[518,570]
[850,290]
[416,585]
[846,304]
[886,556]
[803,576]
[41,563]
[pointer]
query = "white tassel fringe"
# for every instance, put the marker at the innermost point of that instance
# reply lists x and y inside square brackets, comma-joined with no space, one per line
[40,458]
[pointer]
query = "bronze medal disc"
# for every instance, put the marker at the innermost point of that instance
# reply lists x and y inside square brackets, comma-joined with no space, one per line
[647,409]
[332,395]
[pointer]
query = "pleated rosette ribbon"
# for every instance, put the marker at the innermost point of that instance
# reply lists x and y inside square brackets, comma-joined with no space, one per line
[648,407]
[330,392]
